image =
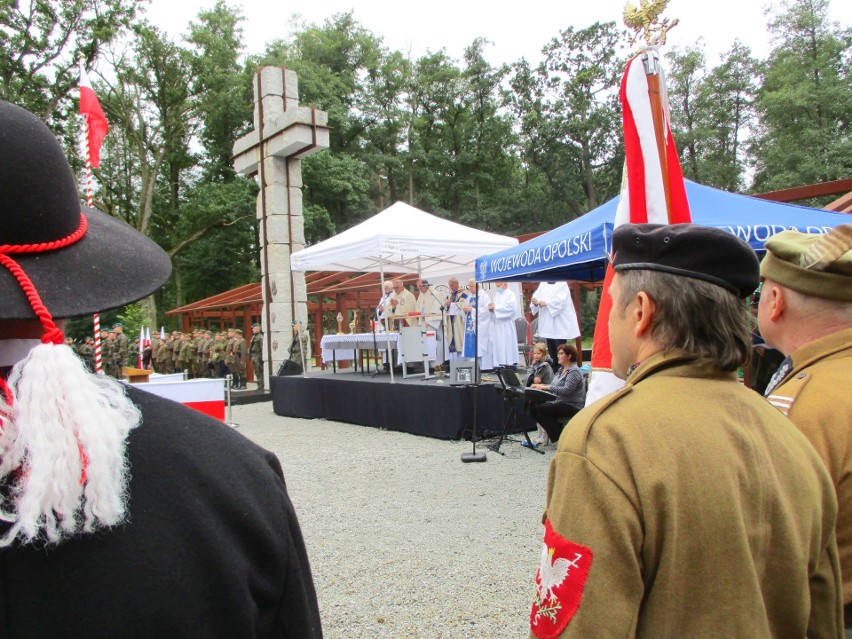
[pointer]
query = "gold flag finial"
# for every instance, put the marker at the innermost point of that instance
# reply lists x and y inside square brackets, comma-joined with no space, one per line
[646,20]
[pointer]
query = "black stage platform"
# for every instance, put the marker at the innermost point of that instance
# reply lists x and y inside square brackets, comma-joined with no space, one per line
[413,405]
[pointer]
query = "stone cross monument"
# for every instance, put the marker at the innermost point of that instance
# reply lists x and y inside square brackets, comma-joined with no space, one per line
[283,134]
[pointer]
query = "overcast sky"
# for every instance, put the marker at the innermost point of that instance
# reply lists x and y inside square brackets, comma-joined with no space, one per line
[515,29]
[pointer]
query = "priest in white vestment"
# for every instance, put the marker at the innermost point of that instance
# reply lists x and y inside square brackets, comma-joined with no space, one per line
[478,326]
[429,307]
[504,338]
[383,309]
[557,319]
[454,328]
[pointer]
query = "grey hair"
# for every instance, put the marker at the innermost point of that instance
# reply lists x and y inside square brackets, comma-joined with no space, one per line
[692,316]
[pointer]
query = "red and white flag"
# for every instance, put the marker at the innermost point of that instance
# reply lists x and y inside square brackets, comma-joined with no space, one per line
[141,347]
[204,395]
[146,346]
[652,191]
[96,122]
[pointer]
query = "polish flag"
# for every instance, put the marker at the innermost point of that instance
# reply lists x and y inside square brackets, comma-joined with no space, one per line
[141,347]
[645,197]
[96,122]
[204,395]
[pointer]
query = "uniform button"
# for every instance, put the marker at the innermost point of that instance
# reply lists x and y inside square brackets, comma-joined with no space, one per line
[801,375]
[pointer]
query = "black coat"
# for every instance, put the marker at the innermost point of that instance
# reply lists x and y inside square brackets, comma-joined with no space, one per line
[212,547]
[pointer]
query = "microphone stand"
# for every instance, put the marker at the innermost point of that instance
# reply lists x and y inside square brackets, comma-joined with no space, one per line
[375,345]
[474,456]
[443,327]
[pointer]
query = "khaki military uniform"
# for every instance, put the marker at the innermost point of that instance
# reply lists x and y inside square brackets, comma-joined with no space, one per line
[683,505]
[164,356]
[296,353]
[217,356]
[817,397]
[240,350]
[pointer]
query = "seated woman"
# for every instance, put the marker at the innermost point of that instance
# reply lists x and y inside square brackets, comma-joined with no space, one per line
[570,390]
[539,373]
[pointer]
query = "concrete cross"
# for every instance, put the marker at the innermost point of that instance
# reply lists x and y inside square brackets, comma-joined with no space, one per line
[283,134]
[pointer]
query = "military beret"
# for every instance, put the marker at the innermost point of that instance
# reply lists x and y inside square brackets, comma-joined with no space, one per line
[688,250]
[117,324]
[238,330]
[819,265]
[256,324]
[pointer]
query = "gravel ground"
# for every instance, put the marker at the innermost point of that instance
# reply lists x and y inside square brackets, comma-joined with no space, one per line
[405,540]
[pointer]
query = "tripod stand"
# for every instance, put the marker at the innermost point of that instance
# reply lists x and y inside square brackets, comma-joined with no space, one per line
[512,419]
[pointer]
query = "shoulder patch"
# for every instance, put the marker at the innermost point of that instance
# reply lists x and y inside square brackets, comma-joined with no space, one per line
[559,583]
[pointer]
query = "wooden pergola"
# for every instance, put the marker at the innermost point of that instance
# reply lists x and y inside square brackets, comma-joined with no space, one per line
[353,295]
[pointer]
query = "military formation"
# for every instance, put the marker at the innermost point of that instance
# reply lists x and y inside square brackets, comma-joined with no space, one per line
[202,353]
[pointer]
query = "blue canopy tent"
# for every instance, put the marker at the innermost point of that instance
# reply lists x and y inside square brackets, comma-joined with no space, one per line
[578,250]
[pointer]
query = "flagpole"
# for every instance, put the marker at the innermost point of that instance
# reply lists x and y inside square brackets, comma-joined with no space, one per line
[89,199]
[87,112]
[652,73]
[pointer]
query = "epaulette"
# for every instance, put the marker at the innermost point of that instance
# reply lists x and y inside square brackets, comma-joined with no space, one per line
[600,406]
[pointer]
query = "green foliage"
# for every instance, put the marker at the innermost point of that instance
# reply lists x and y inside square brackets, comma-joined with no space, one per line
[133,318]
[222,85]
[805,102]
[589,302]
[42,42]
[712,112]
[570,121]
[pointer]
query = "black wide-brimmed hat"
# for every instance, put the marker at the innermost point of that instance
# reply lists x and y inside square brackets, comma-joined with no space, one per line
[111,265]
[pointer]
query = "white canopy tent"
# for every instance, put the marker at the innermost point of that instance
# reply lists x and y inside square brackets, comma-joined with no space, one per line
[402,239]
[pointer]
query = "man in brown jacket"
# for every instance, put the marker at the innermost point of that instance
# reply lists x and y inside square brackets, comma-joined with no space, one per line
[683,505]
[805,312]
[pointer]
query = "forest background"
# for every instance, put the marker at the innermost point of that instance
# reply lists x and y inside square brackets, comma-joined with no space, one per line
[512,149]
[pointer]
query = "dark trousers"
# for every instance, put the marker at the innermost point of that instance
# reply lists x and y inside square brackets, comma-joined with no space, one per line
[553,416]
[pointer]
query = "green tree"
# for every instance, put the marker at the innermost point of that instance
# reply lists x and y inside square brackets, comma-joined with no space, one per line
[569,120]
[712,112]
[805,102]
[222,86]
[332,62]
[42,42]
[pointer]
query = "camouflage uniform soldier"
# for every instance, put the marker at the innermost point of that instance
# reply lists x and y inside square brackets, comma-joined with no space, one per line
[256,352]
[108,355]
[87,353]
[121,349]
[195,354]
[106,345]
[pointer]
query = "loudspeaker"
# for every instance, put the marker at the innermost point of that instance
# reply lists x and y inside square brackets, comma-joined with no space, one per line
[289,367]
[462,372]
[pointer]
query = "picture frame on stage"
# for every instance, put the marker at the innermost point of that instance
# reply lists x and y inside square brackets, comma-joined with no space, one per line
[462,372]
